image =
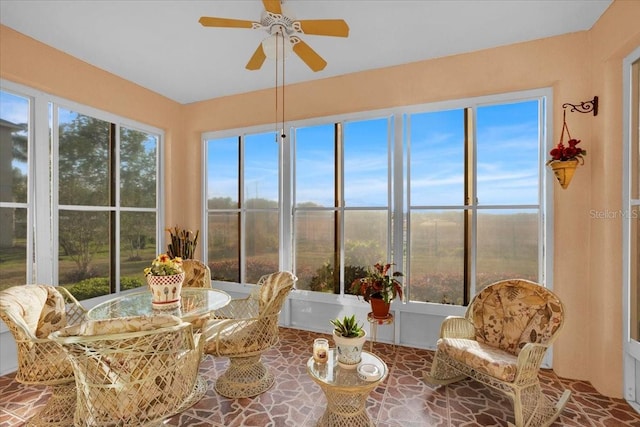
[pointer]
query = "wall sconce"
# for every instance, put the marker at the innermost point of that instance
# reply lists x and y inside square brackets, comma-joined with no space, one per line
[584,107]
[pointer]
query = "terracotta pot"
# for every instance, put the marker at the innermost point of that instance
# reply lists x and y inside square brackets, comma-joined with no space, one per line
[379,308]
[165,290]
[564,171]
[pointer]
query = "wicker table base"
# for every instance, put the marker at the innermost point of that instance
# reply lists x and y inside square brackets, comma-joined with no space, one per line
[346,391]
[58,412]
[245,377]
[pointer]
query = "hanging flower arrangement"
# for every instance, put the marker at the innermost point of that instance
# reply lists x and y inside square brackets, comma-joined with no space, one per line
[572,152]
[566,158]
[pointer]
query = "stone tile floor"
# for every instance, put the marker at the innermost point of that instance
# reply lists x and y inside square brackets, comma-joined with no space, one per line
[402,400]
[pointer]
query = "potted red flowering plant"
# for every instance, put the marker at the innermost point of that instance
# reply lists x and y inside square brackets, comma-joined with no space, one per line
[565,159]
[378,287]
[570,153]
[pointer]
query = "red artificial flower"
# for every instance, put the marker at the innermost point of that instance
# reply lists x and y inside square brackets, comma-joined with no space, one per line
[572,152]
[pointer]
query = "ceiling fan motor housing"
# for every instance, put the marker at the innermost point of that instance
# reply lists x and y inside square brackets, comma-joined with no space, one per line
[275,23]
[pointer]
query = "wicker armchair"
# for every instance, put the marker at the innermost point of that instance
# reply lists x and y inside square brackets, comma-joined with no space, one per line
[501,342]
[32,312]
[242,330]
[133,371]
[196,274]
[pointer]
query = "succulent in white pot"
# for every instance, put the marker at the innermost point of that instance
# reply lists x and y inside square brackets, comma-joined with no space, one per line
[349,337]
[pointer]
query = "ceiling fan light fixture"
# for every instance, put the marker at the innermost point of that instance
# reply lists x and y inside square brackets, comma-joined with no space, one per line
[284,34]
[277,46]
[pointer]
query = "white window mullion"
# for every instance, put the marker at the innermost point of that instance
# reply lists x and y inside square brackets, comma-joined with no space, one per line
[117,207]
[395,209]
[473,151]
[406,121]
[286,204]
[243,213]
[545,226]
[45,191]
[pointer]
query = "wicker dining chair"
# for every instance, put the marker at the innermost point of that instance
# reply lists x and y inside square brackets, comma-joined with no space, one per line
[242,330]
[196,274]
[133,371]
[501,342]
[31,313]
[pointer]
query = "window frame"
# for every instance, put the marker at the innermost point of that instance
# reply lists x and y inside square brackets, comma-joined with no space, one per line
[631,347]
[399,197]
[472,209]
[43,182]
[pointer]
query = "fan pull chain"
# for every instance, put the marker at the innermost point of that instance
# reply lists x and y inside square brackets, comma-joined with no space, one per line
[283,135]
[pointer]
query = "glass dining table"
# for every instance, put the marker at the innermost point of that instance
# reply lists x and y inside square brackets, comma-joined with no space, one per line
[194,303]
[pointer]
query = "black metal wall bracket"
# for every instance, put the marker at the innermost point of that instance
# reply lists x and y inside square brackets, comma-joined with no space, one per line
[584,107]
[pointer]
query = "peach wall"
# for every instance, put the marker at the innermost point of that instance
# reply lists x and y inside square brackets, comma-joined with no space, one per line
[577,66]
[31,63]
[612,38]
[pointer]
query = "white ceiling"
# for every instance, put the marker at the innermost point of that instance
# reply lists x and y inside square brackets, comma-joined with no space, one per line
[161,46]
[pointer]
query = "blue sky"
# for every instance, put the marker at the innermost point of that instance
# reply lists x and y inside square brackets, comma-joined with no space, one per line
[507,160]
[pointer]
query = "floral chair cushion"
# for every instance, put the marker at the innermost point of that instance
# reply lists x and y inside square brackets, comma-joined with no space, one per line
[121,325]
[54,314]
[481,357]
[196,274]
[233,337]
[41,307]
[273,285]
[515,313]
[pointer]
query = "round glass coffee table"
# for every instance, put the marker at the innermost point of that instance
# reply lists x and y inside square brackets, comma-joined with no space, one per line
[347,389]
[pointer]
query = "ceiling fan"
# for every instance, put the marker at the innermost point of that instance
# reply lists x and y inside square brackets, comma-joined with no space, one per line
[283,26]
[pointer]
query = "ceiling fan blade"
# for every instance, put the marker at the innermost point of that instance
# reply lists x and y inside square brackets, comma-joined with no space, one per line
[308,55]
[257,59]
[323,27]
[208,21]
[272,6]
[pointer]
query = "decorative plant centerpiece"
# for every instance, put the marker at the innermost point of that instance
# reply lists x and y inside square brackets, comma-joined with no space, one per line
[565,159]
[165,277]
[183,243]
[349,338]
[378,287]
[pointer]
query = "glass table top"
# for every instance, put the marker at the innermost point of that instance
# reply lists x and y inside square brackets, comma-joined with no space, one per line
[194,302]
[370,370]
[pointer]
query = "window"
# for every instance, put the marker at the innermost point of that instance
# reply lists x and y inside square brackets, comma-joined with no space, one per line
[106,182]
[243,207]
[474,206]
[94,213]
[453,197]
[342,202]
[15,238]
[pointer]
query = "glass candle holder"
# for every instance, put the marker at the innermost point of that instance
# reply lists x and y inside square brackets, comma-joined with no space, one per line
[320,350]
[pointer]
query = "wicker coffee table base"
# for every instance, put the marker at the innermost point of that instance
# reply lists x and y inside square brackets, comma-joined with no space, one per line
[245,377]
[345,409]
[58,412]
